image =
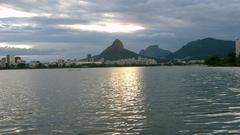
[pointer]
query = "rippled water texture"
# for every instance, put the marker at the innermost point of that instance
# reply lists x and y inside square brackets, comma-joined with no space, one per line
[105,101]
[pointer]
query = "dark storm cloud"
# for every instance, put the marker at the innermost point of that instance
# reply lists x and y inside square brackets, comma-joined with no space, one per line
[169,23]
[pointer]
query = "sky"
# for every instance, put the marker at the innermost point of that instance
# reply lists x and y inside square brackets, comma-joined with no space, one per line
[79,27]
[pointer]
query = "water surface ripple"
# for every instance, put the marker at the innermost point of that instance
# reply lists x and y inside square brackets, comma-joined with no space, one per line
[105,101]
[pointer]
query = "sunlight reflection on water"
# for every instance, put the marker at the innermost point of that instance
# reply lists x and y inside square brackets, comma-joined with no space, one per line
[127,100]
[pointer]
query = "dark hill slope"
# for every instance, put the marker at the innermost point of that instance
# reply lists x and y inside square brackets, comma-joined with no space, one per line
[155,52]
[201,49]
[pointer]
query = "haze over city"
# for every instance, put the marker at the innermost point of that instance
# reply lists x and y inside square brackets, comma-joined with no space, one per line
[81,27]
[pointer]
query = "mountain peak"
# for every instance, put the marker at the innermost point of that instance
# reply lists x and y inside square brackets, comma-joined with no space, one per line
[116,52]
[117,44]
[154,51]
[153,47]
[209,38]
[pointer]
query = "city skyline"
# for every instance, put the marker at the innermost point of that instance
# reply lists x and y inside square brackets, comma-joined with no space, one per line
[81,27]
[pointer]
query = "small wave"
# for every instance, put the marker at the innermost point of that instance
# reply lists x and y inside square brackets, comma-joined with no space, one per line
[219,131]
[15,130]
[234,89]
[233,121]
[220,114]
[233,107]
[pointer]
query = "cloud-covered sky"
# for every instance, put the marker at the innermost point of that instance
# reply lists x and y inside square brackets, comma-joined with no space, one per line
[79,27]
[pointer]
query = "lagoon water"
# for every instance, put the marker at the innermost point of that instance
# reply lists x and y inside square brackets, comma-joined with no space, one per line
[133,100]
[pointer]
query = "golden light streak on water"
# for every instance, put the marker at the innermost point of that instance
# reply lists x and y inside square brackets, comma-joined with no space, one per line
[127,100]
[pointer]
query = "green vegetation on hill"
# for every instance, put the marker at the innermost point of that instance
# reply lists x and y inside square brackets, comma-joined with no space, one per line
[230,60]
[201,49]
[155,52]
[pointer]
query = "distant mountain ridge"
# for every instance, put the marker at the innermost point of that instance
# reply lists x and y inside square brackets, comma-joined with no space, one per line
[116,52]
[155,52]
[201,49]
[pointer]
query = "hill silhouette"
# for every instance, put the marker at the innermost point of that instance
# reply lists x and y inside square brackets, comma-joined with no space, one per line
[116,52]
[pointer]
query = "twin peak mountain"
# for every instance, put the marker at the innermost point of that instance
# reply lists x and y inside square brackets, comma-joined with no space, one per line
[116,52]
[199,49]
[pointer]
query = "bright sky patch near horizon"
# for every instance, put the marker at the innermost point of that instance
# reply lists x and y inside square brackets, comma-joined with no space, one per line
[16,46]
[88,26]
[106,27]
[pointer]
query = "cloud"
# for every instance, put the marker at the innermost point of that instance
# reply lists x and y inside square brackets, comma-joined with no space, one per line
[91,25]
[110,27]
[19,46]
[8,12]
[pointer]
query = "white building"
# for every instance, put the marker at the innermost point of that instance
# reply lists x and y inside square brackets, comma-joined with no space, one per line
[132,61]
[79,63]
[237,47]
[10,59]
[18,60]
[34,64]
[196,61]
[60,62]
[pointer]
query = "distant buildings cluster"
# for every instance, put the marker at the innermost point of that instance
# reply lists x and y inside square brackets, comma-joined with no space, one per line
[90,61]
[61,63]
[10,61]
[132,61]
[187,61]
[13,62]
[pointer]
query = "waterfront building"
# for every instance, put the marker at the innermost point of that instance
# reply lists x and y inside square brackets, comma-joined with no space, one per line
[18,60]
[102,60]
[237,47]
[46,65]
[68,63]
[3,63]
[196,61]
[89,57]
[34,64]
[132,61]
[79,63]
[10,60]
[60,63]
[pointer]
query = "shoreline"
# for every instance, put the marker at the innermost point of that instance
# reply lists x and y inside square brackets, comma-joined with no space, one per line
[104,67]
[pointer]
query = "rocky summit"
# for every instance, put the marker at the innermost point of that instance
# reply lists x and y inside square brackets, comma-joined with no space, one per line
[116,52]
[117,45]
